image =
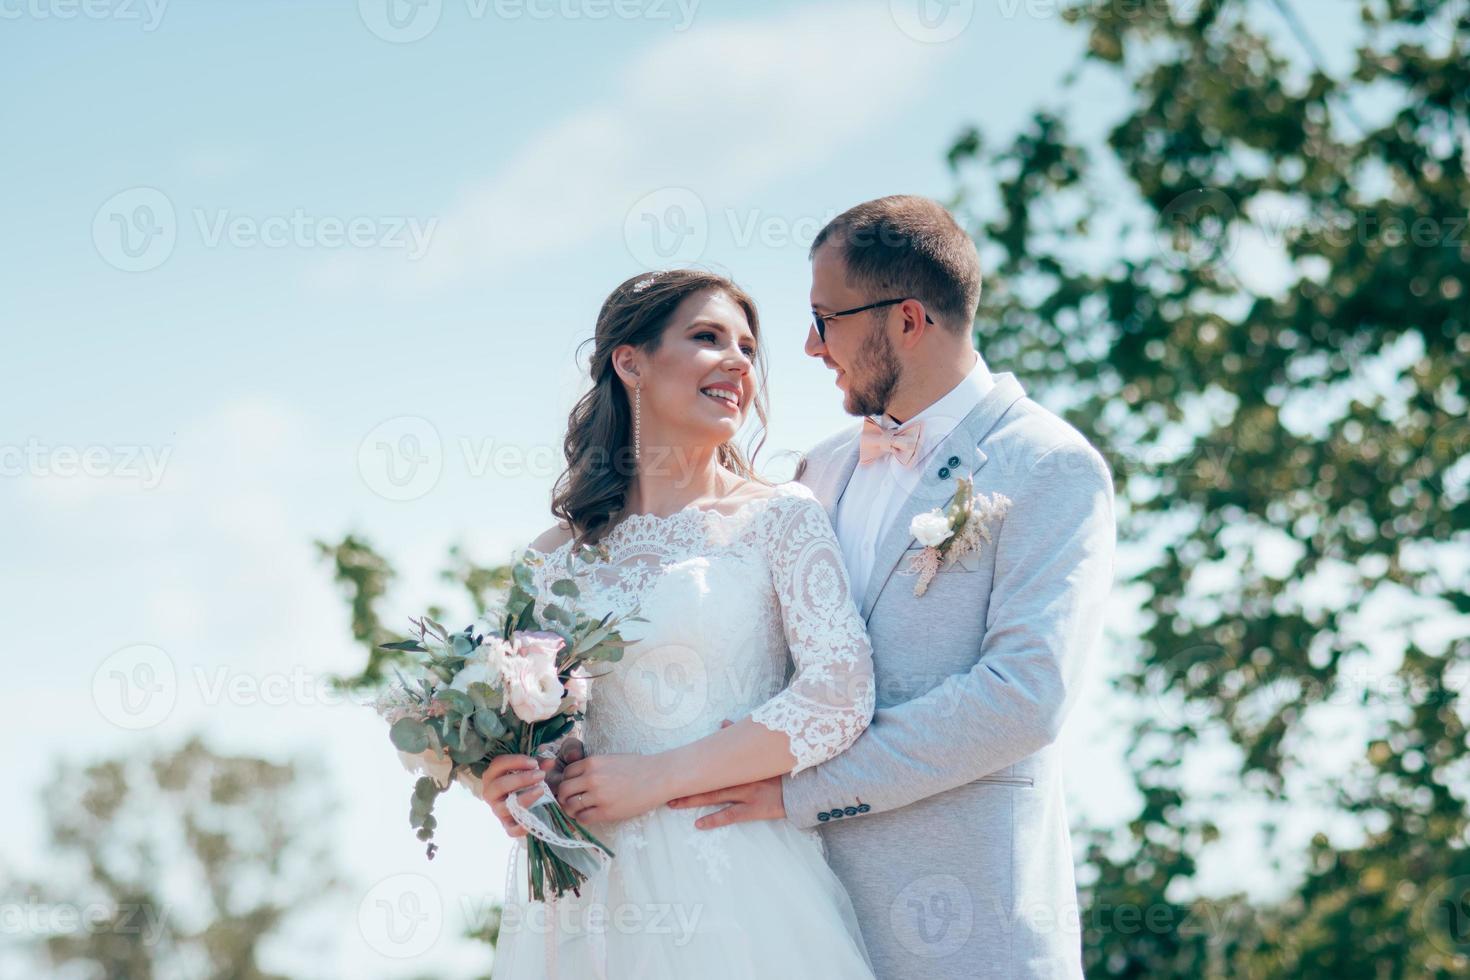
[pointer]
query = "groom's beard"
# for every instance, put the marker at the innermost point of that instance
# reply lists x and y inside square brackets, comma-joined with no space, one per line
[873,378]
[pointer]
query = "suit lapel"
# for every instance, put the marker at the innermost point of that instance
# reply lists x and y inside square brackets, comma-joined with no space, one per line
[933,490]
[846,463]
[829,477]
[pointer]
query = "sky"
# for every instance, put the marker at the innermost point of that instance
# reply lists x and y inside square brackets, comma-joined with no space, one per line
[277,272]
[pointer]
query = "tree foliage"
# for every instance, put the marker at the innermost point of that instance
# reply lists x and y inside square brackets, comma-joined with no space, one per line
[185,863]
[1253,291]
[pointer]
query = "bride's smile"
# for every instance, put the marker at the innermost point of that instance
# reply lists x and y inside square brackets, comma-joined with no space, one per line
[699,381]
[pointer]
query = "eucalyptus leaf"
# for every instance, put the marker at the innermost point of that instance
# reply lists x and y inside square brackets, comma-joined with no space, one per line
[488,724]
[459,702]
[591,640]
[471,746]
[409,735]
[485,697]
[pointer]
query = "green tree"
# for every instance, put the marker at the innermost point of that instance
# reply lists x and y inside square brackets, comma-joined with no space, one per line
[365,575]
[1253,290]
[180,864]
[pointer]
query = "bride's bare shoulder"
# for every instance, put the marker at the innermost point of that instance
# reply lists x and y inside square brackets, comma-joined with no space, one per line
[552,538]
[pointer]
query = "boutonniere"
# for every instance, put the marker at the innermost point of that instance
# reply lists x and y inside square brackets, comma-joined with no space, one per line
[954,530]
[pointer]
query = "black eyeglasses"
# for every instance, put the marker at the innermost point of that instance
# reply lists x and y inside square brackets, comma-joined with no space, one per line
[820,319]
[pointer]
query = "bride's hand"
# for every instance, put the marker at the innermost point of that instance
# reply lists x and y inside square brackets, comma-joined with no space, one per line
[507,774]
[604,788]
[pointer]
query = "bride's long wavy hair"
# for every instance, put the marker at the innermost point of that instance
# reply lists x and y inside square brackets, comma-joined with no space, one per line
[591,494]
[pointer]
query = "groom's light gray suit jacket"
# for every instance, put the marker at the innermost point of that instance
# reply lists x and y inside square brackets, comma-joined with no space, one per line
[946,819]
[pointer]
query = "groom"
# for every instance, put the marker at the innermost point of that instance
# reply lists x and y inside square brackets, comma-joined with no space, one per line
[946,819]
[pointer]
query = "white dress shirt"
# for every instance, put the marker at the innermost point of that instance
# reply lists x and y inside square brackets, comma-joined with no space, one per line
[878,489]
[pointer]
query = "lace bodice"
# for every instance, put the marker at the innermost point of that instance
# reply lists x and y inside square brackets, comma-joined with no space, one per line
[748,613]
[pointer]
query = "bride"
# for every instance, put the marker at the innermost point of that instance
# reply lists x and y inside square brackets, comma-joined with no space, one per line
[747,619]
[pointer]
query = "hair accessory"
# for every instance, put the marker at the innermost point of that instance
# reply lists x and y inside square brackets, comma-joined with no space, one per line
[645,282]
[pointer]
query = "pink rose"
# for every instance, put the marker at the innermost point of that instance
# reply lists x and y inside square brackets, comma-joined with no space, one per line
[538,643]
[579,688]
[533,687]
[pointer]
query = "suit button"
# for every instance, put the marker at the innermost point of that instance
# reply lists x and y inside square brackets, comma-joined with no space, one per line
[944,472]
[954,461]
[836,814]
[863,808]
[824,816]
[851,811]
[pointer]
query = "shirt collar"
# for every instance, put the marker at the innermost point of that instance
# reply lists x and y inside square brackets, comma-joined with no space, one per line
[943,416]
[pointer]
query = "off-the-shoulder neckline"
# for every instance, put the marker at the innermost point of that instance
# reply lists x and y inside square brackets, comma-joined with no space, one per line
[779,491]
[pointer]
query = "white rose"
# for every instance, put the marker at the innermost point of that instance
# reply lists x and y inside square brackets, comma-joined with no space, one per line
[474,672]
[428,763]
[931,529]
[496,651]
[534,689]
[579,688]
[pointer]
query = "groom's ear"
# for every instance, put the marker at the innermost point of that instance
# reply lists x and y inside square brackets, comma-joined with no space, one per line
[916,322]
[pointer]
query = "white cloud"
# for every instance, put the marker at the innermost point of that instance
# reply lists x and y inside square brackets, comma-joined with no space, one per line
[723,109]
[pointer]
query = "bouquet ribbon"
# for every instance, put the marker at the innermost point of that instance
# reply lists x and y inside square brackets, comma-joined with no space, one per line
[583,855]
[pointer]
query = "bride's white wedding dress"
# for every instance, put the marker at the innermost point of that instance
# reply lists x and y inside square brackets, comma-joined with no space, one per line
[748,614]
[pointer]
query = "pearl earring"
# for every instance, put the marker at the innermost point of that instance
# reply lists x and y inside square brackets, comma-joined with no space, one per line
[637,422]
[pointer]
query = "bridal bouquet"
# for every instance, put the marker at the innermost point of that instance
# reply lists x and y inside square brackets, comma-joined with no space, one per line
[514,688]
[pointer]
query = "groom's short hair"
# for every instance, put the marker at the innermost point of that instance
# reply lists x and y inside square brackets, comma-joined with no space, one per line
[906,245]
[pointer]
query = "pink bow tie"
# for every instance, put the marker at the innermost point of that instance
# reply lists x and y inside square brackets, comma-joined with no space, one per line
[876,442]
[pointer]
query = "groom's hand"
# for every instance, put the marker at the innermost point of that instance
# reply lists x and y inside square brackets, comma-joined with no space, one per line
[760,800]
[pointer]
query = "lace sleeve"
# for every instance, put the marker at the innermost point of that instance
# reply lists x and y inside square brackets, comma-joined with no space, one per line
[830,698]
